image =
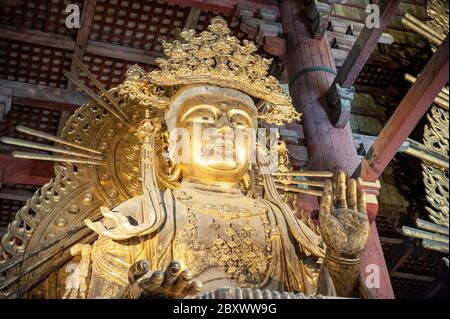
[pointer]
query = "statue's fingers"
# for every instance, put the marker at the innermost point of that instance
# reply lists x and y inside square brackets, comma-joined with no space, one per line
[193,288]
[148,283]
[341,190]
[138,269]
[362,202]
[326,201]
[352,194]
[171,274]
[182,281]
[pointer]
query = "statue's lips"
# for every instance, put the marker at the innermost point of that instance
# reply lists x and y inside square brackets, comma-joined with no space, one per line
[223,148]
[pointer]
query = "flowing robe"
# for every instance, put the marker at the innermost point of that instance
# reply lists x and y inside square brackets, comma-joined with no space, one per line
[260,251]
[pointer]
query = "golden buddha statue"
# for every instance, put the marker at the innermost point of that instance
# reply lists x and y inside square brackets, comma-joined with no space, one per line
[194,229]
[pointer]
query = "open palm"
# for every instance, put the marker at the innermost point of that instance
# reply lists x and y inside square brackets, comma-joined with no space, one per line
[343,217]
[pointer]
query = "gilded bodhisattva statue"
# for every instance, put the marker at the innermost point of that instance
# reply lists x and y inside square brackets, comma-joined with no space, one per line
[196,229]
[206,234]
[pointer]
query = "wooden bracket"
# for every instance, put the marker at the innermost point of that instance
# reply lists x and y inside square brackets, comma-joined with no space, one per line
[339,101]
[318,14]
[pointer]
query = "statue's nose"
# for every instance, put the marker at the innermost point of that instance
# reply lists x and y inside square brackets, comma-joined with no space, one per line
[223,124]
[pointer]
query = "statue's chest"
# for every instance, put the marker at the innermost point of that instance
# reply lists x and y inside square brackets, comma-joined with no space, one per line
[240,248]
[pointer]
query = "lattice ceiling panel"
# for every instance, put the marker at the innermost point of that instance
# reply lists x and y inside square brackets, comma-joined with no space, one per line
[37,118]
[206,16]
[110,72]
[8,209]
[33,64]
[372,75]
[139,24]
[21,187]
[406,288]
[42,15]
[421,265]
[387,225]
[386,246]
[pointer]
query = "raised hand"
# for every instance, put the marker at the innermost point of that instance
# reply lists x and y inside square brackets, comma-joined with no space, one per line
[175,282]
[343,218]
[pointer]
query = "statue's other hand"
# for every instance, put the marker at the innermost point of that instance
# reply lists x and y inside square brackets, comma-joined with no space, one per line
[343,217]
[175,282]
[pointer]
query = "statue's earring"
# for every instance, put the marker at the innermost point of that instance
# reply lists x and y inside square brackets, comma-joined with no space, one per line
[175,173]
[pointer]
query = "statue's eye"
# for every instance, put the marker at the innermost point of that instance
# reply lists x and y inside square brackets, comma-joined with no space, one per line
[239,121]
[203,117]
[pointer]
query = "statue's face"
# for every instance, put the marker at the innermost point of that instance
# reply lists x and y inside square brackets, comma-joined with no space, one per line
[220,130]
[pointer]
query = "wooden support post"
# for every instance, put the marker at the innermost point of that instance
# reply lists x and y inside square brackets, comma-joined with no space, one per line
[87,16]
[310,66]
[405,118]
[341,92]
[372,260]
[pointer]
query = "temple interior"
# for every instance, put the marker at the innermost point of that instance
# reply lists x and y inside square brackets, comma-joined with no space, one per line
[391,101]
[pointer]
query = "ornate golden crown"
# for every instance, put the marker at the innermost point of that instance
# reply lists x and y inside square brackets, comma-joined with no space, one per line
[215,57]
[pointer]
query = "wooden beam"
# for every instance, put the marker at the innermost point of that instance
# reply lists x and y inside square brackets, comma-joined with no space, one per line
[398,254]
[433,288]
[360,52]
[52,40]
[122,52]
[413,276]
[407,115]
[364,45]
[14,194]
[45,104]
[63,42]
[87,16]
[39,92]
[221,6]
[24,171]
[390,240]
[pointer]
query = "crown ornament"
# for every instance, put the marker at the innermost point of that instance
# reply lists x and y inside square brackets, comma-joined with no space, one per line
[213,57]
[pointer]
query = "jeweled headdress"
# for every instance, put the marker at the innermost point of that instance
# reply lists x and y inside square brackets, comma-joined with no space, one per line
[213,57]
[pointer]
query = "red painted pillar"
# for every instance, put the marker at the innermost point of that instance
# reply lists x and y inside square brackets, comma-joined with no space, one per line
[310,67]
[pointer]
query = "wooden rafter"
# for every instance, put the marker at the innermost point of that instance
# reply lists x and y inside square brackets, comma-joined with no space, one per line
[398,254]
[405,118]
[81,42]
[192,19]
